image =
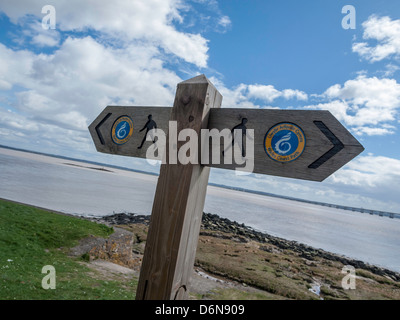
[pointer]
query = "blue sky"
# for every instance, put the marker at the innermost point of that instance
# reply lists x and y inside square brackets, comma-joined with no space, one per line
[259,54]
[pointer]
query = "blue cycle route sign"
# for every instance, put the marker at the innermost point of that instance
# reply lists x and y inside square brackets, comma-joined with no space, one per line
[122,130]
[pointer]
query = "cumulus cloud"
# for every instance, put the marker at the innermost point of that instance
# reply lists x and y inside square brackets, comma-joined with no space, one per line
[384,33]
[373,92]
[254,95]
[27,132]
[14,65]
[371,171]
[294,94]
[269,93]
[263,92]
[38,36]
[62,92]
[100,53]
[366,104]
[150,20]
[245,95]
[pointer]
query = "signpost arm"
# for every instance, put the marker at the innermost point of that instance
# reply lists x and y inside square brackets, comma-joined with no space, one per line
[301,144]
[179,201]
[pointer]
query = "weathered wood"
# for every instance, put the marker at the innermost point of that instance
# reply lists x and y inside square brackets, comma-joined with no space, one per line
[178,204]
[260,120]
[316,145]
[101,129]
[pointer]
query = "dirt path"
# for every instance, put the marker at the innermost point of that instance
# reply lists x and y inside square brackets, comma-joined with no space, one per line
[203,285]
[115,258]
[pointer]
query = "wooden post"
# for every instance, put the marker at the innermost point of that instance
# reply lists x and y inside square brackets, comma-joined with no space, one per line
[318,144]
[178,203]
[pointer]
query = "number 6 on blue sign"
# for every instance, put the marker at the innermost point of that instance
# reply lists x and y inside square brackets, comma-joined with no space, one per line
[122,130]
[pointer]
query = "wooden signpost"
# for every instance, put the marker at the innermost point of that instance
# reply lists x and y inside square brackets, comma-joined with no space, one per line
[196,134]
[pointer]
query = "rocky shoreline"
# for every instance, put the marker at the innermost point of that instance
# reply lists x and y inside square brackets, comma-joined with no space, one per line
[213,225]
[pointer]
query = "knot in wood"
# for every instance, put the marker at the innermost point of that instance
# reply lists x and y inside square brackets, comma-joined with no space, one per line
[185,99]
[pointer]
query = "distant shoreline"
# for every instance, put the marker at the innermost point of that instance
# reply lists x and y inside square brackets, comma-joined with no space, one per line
[262,193]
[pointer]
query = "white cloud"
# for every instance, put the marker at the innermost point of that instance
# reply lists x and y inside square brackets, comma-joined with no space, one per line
[243,95]
[373,92]
[14,65]
[337,107]
[27,132]
[224,23]
[72,119]
[40,36]
[59,94]
[366,104]
[83,73]
[371,172]
[45,41]
[119,58]
[391,69]
[373,131]
[269,93]
[294,94]
[5,85]
[11,120]
[385,32]
[263,92]
[150,20]
[235,97]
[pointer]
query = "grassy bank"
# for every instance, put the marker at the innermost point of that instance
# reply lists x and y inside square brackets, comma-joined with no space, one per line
[259,268]
[32,238]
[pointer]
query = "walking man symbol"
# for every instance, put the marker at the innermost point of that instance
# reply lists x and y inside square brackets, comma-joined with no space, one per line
[241,126]
[150,124]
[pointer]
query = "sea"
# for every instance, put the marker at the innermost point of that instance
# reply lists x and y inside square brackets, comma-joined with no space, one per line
[85,189]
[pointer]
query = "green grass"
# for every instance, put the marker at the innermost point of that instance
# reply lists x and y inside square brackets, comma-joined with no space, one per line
[32,238]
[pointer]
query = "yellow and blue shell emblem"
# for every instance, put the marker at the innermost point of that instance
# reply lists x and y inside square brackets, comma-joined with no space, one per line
[122,130]
[284,142]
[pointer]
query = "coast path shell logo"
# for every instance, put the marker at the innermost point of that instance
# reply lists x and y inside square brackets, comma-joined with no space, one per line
[122,130]
[284,142]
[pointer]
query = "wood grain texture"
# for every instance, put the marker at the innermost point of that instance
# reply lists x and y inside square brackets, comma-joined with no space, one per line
[317,144]
[178,204]
[260,120]
[181,189]
[139,116]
